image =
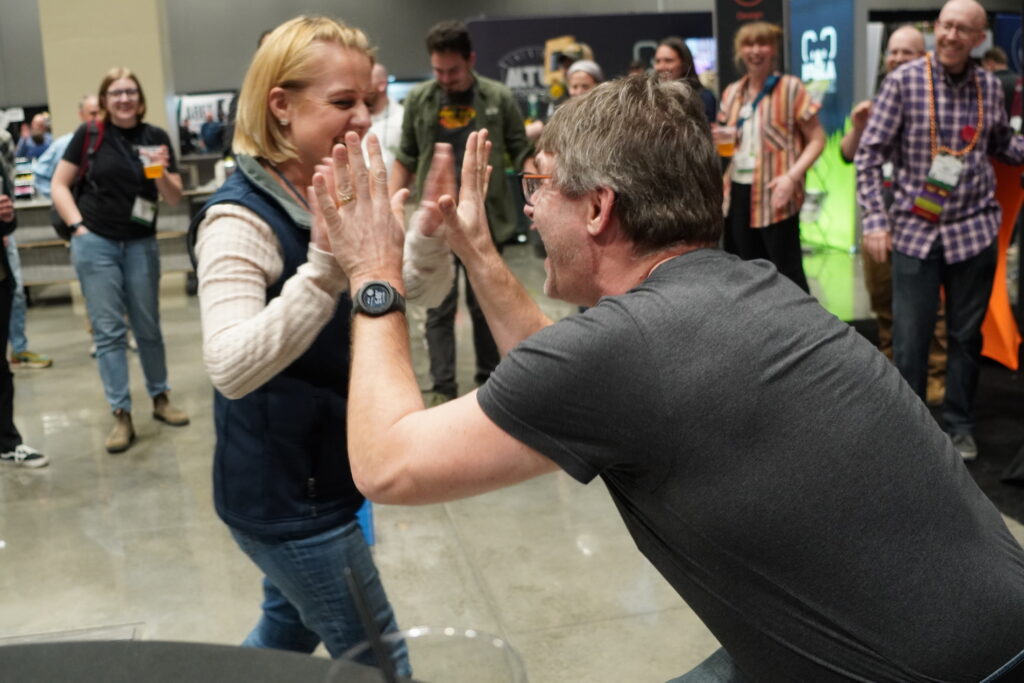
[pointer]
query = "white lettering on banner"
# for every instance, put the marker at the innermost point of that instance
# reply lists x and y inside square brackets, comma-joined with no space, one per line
[527,76]
[818,54]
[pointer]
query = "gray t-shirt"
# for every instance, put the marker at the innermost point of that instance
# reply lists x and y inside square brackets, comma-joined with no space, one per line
[778,472]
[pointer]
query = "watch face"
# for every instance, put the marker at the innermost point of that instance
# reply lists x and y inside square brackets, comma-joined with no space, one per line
[376,298]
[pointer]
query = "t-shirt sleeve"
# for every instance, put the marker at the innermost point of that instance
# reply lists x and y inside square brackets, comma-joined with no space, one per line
[73,153]
[574,392]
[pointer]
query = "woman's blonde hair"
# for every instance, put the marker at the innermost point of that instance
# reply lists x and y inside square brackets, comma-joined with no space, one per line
[284,60]
[116,74]
[757,33]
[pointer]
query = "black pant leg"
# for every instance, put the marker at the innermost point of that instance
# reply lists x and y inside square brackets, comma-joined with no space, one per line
[9,436]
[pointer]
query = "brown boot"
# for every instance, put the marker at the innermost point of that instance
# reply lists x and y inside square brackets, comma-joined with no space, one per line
[122,434]
[165,411]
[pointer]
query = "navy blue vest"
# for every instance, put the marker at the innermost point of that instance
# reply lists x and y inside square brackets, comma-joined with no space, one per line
[281,464]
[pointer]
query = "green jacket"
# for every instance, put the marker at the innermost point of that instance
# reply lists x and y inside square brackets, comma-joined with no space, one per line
[498,112]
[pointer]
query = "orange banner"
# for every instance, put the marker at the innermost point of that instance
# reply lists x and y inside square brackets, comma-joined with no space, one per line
[1001,336]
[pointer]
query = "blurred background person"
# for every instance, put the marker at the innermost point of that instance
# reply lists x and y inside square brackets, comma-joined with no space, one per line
[386,116]
[583,76]
[636,67]
[114,248]
[996,61]
[44,166]
[31,146]
[674,62]
[276,318]
[12,451]
[447,108]
[764,181]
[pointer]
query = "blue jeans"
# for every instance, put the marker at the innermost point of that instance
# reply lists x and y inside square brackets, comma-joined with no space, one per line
[915,299]
[118,278]
[17,327]
[306,599]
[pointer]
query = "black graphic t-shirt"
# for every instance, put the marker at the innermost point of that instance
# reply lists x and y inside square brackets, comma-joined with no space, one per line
[455,121]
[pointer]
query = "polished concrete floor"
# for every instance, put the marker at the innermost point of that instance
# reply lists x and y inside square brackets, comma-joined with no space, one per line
[128,546]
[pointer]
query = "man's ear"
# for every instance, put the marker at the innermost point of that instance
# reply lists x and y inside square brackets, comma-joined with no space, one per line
[602,203]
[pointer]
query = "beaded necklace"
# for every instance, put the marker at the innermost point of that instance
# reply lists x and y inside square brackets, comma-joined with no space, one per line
[932,125]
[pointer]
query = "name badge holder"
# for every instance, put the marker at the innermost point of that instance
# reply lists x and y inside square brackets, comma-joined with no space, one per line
[947,164]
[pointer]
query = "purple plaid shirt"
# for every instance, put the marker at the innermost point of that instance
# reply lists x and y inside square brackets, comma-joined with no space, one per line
[898,131]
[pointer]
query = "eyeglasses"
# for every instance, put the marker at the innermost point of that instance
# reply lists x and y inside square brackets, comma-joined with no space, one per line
[951,27]
[531,184]
[130,93]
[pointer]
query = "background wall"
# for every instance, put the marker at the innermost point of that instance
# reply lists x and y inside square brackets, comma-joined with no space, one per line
[211,41]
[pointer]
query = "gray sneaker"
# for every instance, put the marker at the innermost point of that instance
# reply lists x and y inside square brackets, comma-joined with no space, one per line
[24,456]
[964,444]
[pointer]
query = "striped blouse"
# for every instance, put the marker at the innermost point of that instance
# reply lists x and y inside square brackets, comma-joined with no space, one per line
[787,106]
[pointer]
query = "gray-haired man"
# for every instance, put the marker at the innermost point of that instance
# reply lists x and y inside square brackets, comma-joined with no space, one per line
[820,525]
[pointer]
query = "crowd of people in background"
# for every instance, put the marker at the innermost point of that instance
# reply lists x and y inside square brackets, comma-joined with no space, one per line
[634,233]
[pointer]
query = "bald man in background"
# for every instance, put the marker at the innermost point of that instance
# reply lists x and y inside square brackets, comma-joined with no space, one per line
[386,115]
[905,45]
[938,119]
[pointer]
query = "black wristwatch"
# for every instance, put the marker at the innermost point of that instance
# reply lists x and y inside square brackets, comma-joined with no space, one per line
[377,297]
[75,226]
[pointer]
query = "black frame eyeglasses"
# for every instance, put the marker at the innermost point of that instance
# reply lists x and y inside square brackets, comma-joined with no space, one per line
[532,183]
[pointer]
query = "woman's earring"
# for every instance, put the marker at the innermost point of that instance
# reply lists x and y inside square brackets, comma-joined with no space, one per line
[283,122]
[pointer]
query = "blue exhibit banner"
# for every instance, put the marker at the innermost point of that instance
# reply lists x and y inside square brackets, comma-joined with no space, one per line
[821,52]
[1006,34]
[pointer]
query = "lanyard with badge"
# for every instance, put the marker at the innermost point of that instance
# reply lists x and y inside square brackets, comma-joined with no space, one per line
[947,165]
[143,210]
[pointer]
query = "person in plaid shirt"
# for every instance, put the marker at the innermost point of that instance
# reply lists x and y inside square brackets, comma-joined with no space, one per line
[938,119]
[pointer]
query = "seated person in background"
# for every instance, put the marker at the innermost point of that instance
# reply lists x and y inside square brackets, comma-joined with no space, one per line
[38,139]
[771,464]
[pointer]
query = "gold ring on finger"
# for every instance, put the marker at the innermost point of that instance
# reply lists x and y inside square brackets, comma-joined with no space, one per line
[345,199]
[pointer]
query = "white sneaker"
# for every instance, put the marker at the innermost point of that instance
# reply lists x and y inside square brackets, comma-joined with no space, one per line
[24,456]
[966,446]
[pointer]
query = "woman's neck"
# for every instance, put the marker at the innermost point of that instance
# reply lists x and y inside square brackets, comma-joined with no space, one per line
[757,80]
[299,178]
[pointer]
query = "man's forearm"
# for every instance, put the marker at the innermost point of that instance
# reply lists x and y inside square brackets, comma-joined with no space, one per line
[382,390]
[511,313]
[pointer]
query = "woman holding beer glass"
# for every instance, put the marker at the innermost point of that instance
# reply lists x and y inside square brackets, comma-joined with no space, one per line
[113,243]
[769,126]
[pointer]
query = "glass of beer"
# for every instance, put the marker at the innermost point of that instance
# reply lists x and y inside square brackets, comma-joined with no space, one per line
[725,140]
[148,155]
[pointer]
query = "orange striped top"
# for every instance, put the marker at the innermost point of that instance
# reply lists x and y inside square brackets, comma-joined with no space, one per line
[781,112]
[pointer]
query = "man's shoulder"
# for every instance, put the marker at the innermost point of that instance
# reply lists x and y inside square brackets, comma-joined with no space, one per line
[492,88]
[420,92]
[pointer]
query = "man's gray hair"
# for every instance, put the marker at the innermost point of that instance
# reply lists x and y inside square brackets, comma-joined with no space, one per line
[650,143]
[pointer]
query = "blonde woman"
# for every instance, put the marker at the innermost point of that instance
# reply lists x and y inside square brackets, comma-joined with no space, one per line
[276,318]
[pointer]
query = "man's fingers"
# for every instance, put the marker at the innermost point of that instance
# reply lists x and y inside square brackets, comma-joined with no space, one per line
[358,171]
